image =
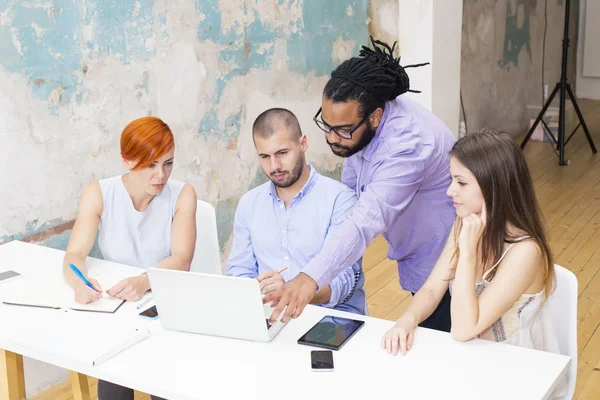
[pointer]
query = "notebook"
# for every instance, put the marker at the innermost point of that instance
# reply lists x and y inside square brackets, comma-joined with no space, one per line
[53,292]
[80,338]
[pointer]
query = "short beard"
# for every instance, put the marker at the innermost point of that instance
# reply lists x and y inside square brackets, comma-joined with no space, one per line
[294,175]
[364,140]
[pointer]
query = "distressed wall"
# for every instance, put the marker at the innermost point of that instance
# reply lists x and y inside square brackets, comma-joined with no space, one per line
[73,73]
[383,21]
[502,59]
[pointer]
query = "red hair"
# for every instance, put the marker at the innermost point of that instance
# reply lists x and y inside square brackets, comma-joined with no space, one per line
[145,140]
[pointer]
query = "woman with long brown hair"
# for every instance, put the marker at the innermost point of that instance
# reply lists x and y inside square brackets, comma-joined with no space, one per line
[496,262]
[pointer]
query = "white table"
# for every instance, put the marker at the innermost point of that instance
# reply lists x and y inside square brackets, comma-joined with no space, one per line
[178,365]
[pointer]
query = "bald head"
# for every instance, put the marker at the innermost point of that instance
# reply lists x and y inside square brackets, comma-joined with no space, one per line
[276,120]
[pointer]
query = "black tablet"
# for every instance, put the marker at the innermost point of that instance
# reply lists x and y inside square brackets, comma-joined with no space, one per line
[331,332]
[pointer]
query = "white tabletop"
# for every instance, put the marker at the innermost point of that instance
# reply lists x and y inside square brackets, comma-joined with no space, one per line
[177,365]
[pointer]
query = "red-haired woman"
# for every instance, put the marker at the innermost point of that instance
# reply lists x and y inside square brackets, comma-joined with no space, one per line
[144,218]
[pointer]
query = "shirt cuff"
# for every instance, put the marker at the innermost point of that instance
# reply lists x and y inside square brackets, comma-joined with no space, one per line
[241,273]
[334,299]
[317,272]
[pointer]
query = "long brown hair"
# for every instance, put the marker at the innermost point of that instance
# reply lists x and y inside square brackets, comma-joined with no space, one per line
[503,176]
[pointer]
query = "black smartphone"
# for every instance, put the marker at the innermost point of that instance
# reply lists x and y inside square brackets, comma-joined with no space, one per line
[321,360]
[151,313]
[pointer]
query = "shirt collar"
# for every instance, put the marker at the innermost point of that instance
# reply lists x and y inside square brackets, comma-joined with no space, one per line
[312,178]
[367,152]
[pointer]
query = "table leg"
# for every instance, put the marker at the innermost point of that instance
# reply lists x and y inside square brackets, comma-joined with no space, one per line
[80,386]
[12,376]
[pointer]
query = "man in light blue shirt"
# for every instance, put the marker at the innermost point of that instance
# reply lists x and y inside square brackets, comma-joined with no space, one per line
[286,221]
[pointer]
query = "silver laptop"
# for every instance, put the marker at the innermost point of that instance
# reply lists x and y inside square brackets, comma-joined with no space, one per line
[212,305]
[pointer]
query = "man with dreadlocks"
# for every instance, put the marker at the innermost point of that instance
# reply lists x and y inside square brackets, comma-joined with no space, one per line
[396,159]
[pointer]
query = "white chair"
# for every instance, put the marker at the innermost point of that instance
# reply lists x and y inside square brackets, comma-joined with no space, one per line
[563,311]
[207,258]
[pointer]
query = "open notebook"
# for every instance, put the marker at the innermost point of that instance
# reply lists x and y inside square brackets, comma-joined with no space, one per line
[79,337]
[53,292]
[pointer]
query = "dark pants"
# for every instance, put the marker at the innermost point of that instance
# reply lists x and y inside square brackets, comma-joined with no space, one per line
[440,319]
[111,391]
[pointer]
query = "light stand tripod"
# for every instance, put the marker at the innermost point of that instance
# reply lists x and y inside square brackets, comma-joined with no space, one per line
[563,87]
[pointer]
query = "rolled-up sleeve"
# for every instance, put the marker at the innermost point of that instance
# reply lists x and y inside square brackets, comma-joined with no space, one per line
[342,286]
[349,174]
[395,182]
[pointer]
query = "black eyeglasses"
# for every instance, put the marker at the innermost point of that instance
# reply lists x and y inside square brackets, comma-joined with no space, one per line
[344,133]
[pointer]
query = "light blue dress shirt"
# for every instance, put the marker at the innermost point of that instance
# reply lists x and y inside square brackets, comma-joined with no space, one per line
[269,236]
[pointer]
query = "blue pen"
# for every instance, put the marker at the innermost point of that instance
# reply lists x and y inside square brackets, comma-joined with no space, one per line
[80,275]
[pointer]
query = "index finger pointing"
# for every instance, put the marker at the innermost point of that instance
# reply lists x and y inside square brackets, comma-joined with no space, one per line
[291,307]
[277,311]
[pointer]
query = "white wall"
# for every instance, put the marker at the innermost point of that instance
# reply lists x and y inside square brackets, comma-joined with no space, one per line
[587,84]
[431,31]
[416,46]
[447,35]
[591,55]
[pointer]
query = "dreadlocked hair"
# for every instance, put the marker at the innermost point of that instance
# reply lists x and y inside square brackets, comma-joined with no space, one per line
[371,79]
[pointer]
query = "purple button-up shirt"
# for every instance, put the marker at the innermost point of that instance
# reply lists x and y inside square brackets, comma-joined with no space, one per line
[400,179]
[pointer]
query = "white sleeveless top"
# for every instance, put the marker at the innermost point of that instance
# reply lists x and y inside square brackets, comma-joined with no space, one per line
[526,324]
[128,236]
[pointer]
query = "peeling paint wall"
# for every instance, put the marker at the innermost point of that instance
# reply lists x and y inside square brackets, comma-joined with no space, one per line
[501,68]
[73,73]
[383,21]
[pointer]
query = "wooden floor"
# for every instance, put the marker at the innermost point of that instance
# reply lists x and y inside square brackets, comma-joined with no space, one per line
[569,197]
[62,391]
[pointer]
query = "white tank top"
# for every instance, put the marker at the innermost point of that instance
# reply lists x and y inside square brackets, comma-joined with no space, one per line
[526,324]
[128,236]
